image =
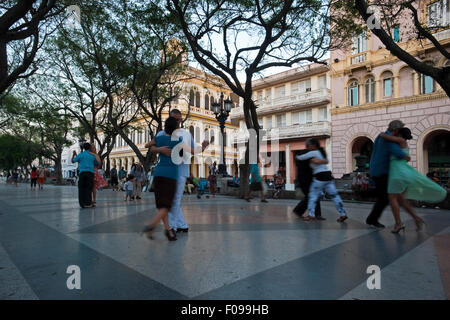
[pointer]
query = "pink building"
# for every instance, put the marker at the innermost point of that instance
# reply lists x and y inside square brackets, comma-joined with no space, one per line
[370,87]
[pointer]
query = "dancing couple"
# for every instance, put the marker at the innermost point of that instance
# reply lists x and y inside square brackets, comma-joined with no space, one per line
[169,178]
[396,181]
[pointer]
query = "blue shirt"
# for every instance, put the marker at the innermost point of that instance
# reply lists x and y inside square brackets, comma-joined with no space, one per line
[165,166]
[254,169]
[185,166]
[86,161]
[382,151]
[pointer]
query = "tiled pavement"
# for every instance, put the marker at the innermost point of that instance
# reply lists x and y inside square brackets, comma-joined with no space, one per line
[234,250]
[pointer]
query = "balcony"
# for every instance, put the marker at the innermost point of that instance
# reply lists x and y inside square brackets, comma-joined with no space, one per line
[441,36]
[287,103]
[314,129]
[358,60]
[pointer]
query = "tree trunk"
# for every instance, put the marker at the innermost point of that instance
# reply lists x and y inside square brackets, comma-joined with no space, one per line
[58,169]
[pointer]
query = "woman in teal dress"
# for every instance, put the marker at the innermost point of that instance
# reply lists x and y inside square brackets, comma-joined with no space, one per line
[406,183]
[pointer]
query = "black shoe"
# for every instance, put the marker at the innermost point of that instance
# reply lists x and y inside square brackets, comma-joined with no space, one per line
[138,198]
[170,234]
[185,230]
[320,218]
[376,225]
[298,214]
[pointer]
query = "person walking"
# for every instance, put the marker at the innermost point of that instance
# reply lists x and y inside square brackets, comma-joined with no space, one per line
[305,178]
[139,177]
[323,181]
[86,162]
[255,182]
[114,179]
[15,177]
[176,217]
[404,182]
[128,187]
[33,177]
[379,170]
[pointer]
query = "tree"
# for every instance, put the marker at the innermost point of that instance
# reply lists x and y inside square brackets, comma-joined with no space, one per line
[16,152]
[241,37]
[382,15]
[24,26]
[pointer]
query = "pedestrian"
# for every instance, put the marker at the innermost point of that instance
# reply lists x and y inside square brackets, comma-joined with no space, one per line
[139,177]
[404,182]
[15,177]
[86,162]
[41,178]
[212,179]
[304,179]
[176,217]
[165,180]
[255,182]
[122,176]
[379,170]
[114,179]
[128,186]
[33,177]
[279,185]
[323,180]
[99,181]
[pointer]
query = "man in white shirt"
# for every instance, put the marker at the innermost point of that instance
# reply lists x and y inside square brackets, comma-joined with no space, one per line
[176,217]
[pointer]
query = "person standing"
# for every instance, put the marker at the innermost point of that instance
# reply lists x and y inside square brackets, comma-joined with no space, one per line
[255,182]
[128,187]
[177,221]
[41,178]
[379,170]
[99,181]
[86,162]
[33,177]
[323,180]
[122,176]
[139,177]
[212,179]
[305,178]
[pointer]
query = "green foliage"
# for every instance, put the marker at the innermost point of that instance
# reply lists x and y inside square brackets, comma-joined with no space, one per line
[15,152]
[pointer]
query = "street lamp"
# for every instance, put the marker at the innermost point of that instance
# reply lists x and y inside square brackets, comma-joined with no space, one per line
[222,109]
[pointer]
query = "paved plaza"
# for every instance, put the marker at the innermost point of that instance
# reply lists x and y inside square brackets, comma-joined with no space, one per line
[234,250]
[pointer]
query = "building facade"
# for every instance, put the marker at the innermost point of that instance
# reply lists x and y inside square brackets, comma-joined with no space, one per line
[371,87]
[198,93]
[292,106]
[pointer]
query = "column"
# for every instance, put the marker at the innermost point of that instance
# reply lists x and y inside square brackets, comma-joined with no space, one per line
[396,85]
[416,81]
[289,184]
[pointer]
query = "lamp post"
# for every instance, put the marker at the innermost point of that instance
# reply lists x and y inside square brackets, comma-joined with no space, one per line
[222,109]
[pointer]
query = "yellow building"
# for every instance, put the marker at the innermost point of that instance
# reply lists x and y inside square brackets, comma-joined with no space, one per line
[198,93]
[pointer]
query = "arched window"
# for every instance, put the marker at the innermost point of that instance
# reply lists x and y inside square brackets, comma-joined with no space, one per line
[212,139]
[388,83]
[352,93]
[206,102]
[191,98]
[370,90]
[207,135]
[197,134]
[197,99]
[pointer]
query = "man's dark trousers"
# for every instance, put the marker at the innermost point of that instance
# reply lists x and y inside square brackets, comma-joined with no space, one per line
[85,186]
[381,186]
[303,205]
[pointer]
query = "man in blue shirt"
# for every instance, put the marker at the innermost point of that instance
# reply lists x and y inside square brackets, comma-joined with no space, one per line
[86,162]
[379,170]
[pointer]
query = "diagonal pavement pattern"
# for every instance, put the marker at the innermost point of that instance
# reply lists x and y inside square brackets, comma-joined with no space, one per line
[234,250]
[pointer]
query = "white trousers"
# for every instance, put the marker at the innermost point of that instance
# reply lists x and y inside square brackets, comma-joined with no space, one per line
[176,217]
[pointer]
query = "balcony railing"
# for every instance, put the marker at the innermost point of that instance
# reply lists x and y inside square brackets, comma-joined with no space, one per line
[312,129]
[358,58]
[442,35]
[278,104]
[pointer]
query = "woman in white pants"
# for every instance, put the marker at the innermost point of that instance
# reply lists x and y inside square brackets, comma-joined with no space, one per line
[323,180]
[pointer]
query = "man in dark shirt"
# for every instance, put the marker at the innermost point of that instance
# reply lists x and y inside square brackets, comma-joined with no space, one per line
[304,178]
